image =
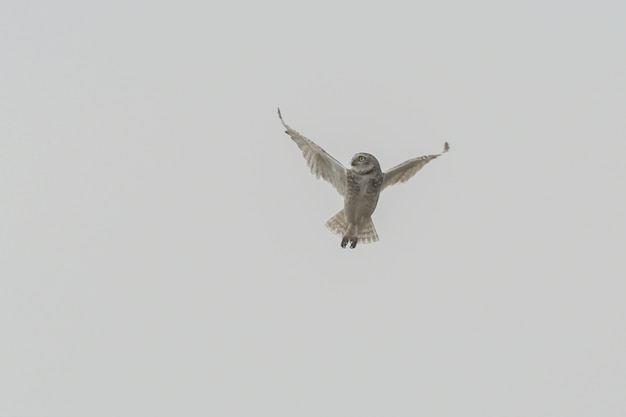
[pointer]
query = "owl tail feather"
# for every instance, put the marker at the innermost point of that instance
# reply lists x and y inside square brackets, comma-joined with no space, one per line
[366,232]
[337,224]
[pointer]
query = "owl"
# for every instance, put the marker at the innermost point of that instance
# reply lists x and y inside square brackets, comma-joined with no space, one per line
[360,185]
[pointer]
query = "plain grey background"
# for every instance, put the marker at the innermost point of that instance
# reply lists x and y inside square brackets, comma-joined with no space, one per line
[162,246]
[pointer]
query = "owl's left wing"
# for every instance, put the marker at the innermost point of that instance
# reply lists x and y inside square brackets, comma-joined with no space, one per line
[321,163]
[404,171]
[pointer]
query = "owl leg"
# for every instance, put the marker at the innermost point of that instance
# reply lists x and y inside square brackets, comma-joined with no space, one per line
[351,236]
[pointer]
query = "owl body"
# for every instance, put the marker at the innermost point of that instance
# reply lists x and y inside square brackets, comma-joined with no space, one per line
[364,181]
[363,194]
[360,186]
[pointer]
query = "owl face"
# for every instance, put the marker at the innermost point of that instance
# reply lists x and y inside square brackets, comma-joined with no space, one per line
[364,163]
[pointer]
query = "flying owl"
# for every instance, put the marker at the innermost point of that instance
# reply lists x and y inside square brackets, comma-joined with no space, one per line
[360,186]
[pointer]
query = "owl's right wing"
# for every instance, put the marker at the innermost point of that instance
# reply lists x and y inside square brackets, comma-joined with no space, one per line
[321,163]
[406,170]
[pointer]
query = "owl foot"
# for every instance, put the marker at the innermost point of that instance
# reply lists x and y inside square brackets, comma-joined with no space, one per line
[345,240]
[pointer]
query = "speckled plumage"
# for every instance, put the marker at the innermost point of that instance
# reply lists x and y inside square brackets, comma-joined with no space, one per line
[360,186]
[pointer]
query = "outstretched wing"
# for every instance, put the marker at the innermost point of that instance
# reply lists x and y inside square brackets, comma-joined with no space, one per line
[404,171]
[321,163]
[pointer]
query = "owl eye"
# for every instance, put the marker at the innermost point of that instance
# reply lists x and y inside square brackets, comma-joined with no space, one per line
[361,158]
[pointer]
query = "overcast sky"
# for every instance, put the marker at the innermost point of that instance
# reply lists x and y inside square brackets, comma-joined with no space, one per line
[162,241]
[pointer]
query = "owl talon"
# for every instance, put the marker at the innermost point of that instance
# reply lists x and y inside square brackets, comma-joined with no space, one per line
[352,241]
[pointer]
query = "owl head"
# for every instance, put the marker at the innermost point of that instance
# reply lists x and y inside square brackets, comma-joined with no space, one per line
[364,163]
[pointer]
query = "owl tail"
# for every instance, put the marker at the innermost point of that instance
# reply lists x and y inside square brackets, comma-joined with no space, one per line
[337,224]
[366,233]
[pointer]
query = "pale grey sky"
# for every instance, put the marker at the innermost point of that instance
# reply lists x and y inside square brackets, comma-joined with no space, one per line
[162,246]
